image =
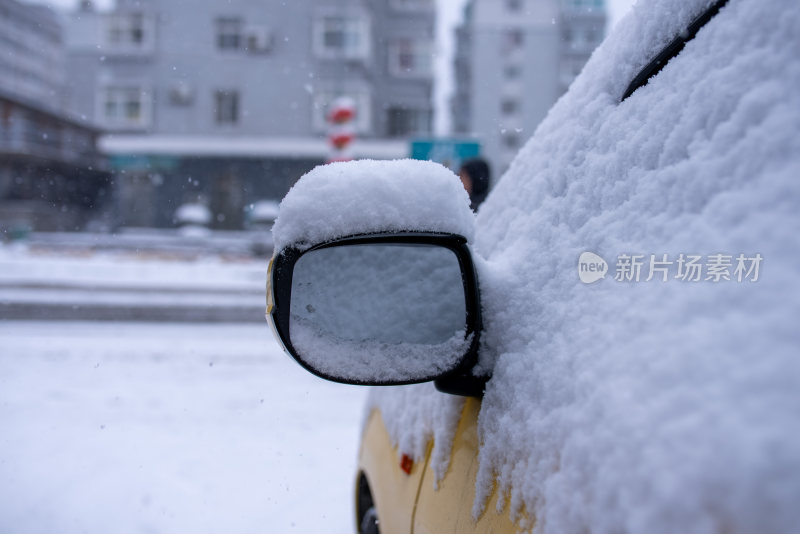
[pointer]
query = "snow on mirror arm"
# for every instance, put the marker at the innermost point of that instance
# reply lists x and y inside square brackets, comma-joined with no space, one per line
[378,309]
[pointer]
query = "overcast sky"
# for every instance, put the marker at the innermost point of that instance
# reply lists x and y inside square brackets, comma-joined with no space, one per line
[449,16]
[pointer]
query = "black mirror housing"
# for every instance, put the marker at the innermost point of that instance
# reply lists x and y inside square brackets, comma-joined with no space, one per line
[376,309]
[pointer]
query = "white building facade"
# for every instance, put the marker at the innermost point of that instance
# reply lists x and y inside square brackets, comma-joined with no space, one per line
[514,58]
[237,92]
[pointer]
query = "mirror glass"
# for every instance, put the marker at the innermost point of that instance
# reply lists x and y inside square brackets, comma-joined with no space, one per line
[379,312]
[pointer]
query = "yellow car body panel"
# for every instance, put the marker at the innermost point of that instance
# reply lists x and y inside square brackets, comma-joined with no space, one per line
[410,503]
[393,491]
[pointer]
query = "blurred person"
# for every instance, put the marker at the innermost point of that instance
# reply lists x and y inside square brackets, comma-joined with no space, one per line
[475,175]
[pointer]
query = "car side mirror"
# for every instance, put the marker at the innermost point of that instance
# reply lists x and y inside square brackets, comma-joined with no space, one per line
[379,309]
[372,280]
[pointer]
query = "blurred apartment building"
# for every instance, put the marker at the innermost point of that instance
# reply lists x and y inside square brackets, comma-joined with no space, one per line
[226,102]
[51,176]
[513,60]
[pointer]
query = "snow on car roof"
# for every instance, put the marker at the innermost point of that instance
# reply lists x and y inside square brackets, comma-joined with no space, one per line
[626,406]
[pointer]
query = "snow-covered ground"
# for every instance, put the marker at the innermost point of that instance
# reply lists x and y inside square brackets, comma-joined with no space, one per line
[38,282]
[161,428]
[83,268]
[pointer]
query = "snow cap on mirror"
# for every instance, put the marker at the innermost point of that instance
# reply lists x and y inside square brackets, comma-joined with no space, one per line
[358,197]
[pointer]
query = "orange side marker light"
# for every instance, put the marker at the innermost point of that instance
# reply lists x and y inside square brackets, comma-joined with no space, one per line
[406,463]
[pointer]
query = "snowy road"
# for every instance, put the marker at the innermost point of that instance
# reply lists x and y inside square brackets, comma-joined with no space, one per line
[169,428]
[43,284]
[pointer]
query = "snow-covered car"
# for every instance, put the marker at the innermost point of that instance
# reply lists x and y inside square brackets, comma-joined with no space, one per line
[611,344]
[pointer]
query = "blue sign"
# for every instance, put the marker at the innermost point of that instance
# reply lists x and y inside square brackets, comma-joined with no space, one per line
[448,151]
[140,162]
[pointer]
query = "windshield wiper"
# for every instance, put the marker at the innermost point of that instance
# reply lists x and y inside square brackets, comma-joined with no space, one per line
[672,49]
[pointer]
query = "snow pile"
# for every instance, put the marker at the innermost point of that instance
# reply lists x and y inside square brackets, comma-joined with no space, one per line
[652,406]
[195,214]
[346,198]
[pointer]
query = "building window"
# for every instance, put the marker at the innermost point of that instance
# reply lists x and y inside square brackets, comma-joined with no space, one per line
[592,36]
[412,5]
[258,39]
[585,38]
[229,33]
[324,98]
[410,58]
[129,31]
[226,107]
[568,35]
[513,39]
[585,3]
[512,72]
[402,121]
[341,36]
[509,106]
[511,140]
[125,107]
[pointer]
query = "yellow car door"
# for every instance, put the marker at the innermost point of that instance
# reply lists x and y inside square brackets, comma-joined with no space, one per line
[408,501]
[448,507]
[391,485]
